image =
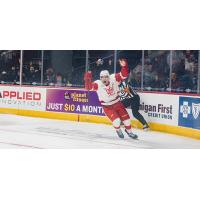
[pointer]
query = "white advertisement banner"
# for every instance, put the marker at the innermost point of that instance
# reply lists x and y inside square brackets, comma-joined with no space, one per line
[159,108]
[25,98]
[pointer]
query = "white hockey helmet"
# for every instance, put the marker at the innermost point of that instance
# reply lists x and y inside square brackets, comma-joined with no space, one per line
[104,73]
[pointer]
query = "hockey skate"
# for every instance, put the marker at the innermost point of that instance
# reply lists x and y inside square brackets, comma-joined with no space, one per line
[119,133]
[146,127]
[131,135]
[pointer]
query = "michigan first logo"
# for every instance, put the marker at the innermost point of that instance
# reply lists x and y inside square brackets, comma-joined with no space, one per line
[189,112]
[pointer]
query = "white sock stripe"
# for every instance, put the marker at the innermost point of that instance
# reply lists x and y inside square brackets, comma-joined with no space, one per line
[116,122]
[127,122]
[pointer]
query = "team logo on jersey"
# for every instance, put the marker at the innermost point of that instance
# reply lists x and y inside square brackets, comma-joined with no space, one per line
[195,110]
[110,90]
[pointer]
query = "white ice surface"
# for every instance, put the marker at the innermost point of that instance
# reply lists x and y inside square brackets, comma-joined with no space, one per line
[28,132]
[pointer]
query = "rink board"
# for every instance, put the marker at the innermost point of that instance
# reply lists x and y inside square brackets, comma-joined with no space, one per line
[172,113]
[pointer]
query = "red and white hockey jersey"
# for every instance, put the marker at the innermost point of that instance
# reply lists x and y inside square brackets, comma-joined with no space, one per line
[109,94]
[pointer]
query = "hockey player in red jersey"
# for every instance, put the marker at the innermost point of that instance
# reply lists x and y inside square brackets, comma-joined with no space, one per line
[108,92]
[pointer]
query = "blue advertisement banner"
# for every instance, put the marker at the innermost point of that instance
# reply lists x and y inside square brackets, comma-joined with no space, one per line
[189,112]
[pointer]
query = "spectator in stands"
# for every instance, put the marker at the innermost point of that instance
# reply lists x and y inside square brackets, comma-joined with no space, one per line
[18,78]
[159,82]
[58,80]
[149,75]
[110,62]
[50,76]
[137,69]
[186,82]
[12,75]
[31,76]
[38,74]
[175,83]
[100,62]
[4,77]
[189,65]
[135,80]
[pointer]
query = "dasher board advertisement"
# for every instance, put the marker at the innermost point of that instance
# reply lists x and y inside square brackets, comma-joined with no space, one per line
[73,101]
[159,108]
[25,98]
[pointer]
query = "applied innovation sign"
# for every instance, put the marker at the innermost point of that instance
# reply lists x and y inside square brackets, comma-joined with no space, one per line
[189,112]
